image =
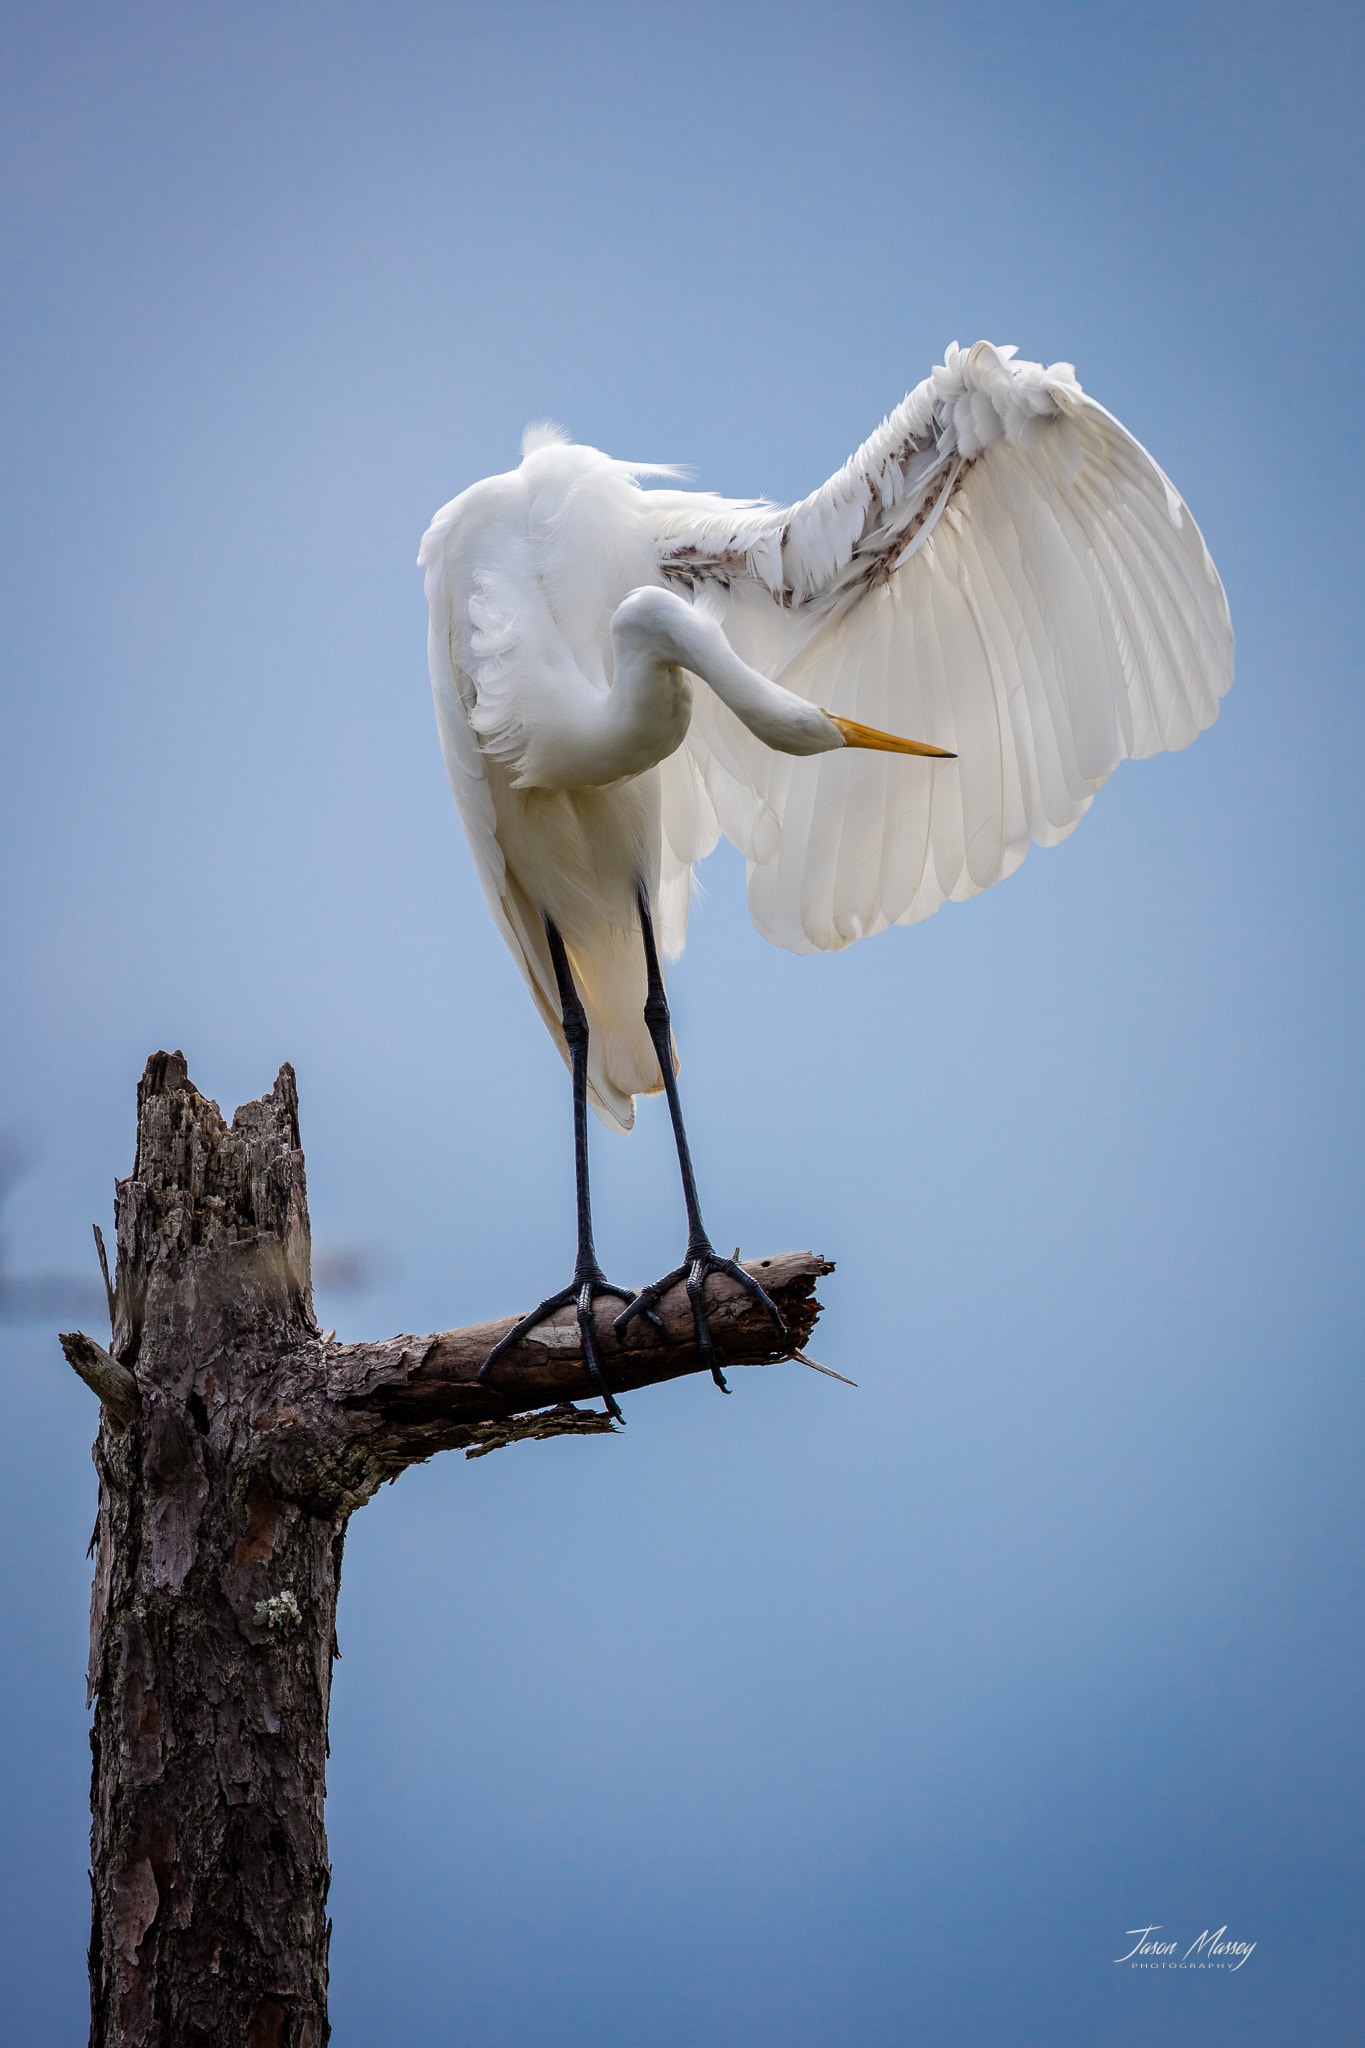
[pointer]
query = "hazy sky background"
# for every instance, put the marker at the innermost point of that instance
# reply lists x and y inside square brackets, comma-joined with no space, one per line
[810,1718]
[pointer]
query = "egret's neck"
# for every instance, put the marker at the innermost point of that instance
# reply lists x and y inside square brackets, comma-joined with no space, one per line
[655,624]
[646,712]
[588,738]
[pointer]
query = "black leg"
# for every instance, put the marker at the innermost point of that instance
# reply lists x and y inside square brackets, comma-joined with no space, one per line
[702,1257]
[589,1281]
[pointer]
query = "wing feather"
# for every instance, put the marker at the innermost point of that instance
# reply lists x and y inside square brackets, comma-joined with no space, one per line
[1002,570]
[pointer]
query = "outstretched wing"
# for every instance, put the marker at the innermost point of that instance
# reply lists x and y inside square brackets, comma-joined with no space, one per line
[1001,570]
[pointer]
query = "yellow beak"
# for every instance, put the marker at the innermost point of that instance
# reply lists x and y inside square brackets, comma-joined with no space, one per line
[855,735]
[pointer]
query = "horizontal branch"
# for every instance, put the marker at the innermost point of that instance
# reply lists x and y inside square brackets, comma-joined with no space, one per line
[114,1384]
[426,1395]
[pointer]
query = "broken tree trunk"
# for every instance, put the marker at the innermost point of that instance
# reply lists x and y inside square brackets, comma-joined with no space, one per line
[235,1442]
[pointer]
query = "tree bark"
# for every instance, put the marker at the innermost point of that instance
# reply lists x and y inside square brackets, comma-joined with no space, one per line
[235,1442]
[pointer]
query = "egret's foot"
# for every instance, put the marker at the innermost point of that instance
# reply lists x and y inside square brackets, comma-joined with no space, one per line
[701,1260]
[583,1291]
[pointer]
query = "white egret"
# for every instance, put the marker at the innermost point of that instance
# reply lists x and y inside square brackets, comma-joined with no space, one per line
[623,674]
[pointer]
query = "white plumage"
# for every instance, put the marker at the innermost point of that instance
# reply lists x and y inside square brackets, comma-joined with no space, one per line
[1001,570]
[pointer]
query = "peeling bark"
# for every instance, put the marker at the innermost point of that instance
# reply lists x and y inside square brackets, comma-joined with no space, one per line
[234,1444]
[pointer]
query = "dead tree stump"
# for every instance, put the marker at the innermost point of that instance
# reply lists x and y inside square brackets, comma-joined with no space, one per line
[235,1442]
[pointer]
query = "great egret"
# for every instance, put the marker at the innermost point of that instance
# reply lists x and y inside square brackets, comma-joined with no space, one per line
[623,674]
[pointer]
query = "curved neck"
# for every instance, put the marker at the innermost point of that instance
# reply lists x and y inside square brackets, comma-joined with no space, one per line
[655,626]
[583,737]
[589,738]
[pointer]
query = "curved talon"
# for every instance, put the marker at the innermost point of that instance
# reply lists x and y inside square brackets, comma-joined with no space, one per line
[582,1293]
[696,1294]
[587,1330]
[715,1264]
[527,1323]
[643,1304]
[694,1272]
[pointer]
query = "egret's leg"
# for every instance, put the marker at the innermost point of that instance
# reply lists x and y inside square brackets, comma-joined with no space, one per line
[702,1257]
[589,1281]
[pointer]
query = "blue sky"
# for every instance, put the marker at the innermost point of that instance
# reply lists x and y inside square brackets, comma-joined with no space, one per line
[810,1717]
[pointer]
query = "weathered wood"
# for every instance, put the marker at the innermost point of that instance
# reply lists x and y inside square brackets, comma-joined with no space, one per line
[235,1442]
[113,1383]
[214,1599]
[104,1272]
[412,1396]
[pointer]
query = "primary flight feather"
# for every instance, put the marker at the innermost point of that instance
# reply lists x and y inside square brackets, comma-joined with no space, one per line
[1001,581]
